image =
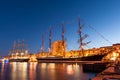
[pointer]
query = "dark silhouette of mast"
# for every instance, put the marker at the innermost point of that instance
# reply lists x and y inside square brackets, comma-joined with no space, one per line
[17,46]
[20,46]
[81,38]
[14,47]
[63,39]
[50,37]
[12,52]
[42,47]
[23,47]
[80,35]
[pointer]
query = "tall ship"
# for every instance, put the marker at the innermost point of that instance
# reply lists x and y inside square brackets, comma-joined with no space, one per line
[57,50]
[19,52]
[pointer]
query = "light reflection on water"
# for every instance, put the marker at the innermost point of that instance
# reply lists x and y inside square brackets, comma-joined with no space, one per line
[32,71]
[18,71]
[42,71]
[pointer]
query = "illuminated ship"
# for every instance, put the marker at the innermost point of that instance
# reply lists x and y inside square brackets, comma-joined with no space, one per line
[77,59]
[19,52]
[58,54]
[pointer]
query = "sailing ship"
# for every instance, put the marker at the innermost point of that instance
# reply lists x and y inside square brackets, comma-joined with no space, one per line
[63,58]
[19,52]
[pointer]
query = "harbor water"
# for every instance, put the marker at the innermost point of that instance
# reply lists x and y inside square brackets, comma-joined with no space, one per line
[43,71]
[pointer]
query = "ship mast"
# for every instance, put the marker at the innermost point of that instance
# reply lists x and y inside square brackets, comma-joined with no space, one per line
[42,47]
[18,47]
[63,39]
[80,39]
[24,47]
[12,52]
[14,46]
[50,37]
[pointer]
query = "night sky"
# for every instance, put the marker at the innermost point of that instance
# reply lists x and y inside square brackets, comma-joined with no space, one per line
[29,19]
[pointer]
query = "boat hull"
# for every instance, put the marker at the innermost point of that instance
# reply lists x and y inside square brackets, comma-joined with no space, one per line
[60,59]
[18,60]
[93,58]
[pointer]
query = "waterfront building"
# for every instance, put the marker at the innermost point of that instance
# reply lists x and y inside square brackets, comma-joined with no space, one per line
[58,48]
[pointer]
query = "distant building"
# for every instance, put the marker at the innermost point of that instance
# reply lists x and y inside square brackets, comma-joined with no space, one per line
[58,48]
[116,46]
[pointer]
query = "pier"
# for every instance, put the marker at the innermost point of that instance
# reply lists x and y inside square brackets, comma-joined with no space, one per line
[95,67]
[111,73]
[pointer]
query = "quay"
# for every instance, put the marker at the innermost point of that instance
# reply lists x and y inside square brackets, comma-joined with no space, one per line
[111,73]
[95,67]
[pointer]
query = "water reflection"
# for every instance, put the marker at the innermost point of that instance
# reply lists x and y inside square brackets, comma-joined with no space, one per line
[13,70]
[74,70]
[47,71]
[51,71]
[70,69]
[18,71]
[3,71]
[42,71]
[32,71]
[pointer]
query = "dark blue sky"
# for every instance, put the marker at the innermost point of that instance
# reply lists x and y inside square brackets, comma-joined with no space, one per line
[28,19]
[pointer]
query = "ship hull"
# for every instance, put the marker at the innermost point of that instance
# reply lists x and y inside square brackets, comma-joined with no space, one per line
[60,59]
[93,58]
[18,60]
